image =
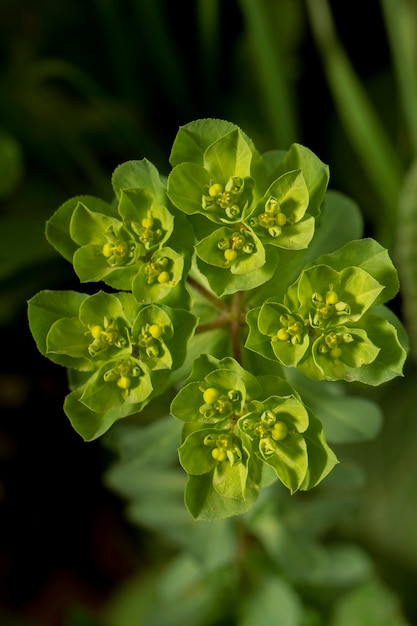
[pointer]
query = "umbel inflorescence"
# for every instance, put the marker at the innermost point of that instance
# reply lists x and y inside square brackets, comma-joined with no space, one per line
[216,282]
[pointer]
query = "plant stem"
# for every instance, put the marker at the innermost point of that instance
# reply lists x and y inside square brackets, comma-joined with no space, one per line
[235,324]
[220,322]
[218,304]
[232,316]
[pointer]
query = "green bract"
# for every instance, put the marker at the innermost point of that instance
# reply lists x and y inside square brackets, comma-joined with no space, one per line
[126,349]
[225,181]
[228,275]
[233,426]
[324,325]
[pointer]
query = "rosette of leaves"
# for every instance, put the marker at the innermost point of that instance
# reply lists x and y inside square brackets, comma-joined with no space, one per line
[125,244]
[234,426]
[243,206]
[332,324]
[119,354]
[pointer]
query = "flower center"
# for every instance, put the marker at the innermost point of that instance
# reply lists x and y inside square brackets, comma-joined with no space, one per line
[158,271]
[239,245]
[328,306]
[224,197]
[272,219]
[292,330]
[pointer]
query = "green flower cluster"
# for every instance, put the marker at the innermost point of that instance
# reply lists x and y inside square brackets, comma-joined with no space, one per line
[121,354]
[216,260]
[331,324]
[234,425]
[131,244]
[243,206]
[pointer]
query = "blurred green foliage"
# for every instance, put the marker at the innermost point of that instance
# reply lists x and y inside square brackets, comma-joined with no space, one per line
[88,85]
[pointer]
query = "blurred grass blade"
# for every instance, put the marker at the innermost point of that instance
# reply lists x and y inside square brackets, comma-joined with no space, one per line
[400,19]
[208,17]
[271,71]
[405,253]
[366,133]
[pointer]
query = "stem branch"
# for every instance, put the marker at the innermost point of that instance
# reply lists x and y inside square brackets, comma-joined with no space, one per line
[221,306]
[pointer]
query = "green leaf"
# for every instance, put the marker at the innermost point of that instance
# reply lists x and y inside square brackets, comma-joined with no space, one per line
[191,405]
[293,346]
[257,341]
[340,221]
[346,419]
[194,456]
[93,267]
[321,459]
[205,503]
[88,226]
[193,139]
[273,602]
[223,282]
[91,424]
[118,306]
[160,279]
[229,480]
[315,173]
[185,187]
[152,223]
[58,226]
[248,255]
[68,336]
[229,473]
[370,256]
[163,334]
[358,352]
[294,236]
[279,217]
[229,156]
[103,393]
[289,461]
[186,404]
[352,286]
[138,175]
[370,604]
[44,309]
[390,360]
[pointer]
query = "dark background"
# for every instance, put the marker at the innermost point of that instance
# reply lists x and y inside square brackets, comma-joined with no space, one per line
[84,86]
